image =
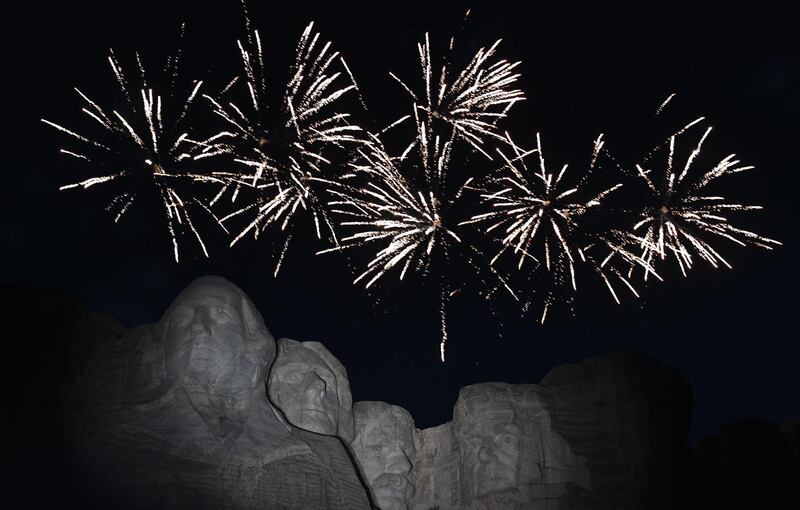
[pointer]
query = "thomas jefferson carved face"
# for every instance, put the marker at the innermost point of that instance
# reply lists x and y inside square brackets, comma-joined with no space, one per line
[384,447]
[310,386]
[215,342]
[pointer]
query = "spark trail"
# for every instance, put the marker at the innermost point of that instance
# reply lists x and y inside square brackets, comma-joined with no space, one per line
[145,146]
[539,219]
[683,216]
[402,220]
[470,101]
[283,151]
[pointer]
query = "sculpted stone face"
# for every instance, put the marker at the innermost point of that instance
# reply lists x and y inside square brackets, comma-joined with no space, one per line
[196,430]
[215,343]
[493,451]
[493,438]
[384,447]
[310,386]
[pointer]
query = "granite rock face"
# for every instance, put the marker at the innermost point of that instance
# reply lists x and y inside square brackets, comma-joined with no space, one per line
[385,451]
[499,452]
[510,456]
[628,417]
[310,386]
[608,433]
[175,415]
[435,471]
[204,410]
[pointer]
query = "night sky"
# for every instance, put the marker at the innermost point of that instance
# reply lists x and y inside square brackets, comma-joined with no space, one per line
[587,68]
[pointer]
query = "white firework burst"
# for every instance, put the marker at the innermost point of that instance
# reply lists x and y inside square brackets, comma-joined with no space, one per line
[403,220]
[283,152]
[541,220]
[147,146]
[472,100]
[390,211]
[683,217]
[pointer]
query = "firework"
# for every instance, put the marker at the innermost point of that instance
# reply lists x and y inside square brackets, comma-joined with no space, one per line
[683,216]
[470,101]
[283,152]
[540,220]
[390,211]
[147,146]
[403,219]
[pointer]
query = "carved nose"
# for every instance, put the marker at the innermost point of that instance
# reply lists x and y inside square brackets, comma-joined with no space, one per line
[398,462]
[201,323]
[485,454]
[315,391]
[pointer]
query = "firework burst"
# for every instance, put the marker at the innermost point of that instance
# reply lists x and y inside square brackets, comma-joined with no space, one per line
[469,101]
[283,153]
[540,219]
[683,216]
[405,219]
[391,211]
[146,147]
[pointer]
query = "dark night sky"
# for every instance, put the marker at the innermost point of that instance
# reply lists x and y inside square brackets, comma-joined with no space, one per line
[586,69]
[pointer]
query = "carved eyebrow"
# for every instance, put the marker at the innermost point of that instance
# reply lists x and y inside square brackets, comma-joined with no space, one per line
[225,306]
[508,427]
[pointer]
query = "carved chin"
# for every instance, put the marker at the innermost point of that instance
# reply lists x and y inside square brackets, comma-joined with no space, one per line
[390,498]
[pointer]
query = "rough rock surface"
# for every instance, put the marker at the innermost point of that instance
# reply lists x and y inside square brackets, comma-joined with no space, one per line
[499,452]
[436,469]
[608,433]
[175,415]
[310,386]
[628,417]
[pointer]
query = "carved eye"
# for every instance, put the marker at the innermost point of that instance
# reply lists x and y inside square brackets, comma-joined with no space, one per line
[291,377]
[181,317]
[221,315]
[508,440]
[375,440]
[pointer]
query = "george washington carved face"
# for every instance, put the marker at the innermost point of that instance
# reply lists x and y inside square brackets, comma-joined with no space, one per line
[215,342]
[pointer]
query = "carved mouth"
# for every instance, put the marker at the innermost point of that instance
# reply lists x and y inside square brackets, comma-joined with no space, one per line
[204,350]
[495,472]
